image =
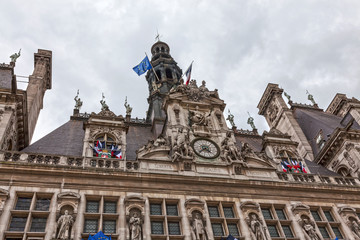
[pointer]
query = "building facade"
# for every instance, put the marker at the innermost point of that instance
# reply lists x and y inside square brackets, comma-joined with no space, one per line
[181,173]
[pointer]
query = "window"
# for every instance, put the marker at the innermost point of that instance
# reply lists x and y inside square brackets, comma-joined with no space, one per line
[91,225]
[290,163]
[223,219]
[105,146]
[42,204]
[17,224]
[109,226]
[23,203]
[164,217]
[92,206]
[38,225]
[328,225]
[157,228]
[168,73]
[109,207]
[277,221]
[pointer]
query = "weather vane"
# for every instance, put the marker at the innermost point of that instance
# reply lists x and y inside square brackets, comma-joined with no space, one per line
[157,38]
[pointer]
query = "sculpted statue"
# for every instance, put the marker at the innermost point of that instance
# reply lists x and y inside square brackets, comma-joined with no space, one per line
[229,148]
[15,56]
[78,102]
[311,97]
[198,118]
[309,228]
[181,146]
[128,108]
[104,106]
[135,226]
[203,89]
[231,118]
[250,121]
[160,141]
[257,228]
[355,228]
[198,230]
[64,225]
[287,96]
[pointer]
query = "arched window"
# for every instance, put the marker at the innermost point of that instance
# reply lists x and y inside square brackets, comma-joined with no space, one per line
[290,163]
[168,73]
[105,146]
[344,172]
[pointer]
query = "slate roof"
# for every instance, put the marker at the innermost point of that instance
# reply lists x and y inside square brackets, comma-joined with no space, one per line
[320,170]
[137,136]
[255,142]
[65,140]
[312,121]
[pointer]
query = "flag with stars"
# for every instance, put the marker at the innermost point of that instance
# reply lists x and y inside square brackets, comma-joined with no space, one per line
[99,236]
[143,66]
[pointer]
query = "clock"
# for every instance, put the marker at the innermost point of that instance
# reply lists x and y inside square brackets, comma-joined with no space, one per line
[205,148]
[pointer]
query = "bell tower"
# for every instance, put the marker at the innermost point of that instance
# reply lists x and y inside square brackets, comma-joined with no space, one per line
[167,76]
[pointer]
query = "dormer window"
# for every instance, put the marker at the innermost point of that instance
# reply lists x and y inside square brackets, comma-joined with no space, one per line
[320,142]
[290,163]
[106,147]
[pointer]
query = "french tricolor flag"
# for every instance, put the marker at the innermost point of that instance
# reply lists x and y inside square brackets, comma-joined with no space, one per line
[188,74]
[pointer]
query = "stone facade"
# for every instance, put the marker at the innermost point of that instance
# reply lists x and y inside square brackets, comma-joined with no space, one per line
[181,173]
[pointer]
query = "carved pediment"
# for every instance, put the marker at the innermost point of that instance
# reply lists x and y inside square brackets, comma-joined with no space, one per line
[4,192]
[134,198]
[300,208]
[249,205]
[67,195]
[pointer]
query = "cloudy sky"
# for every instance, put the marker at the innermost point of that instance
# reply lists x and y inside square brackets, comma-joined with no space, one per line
[238,47]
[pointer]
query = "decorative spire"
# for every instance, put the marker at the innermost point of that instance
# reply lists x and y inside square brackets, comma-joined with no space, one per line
[311,98]
[230,117]
[15,56]
[127,107]
[78,102]
[157,38]
[250,121]
[104,106]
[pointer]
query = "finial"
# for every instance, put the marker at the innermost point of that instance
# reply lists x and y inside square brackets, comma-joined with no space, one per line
[127,107]
[78,102]
[157,38]
[104,106]
[311,97]
[250,121]
[15,56]
[230,117]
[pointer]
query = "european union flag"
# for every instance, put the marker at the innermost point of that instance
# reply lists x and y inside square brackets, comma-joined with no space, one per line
[143,66]
[99,236]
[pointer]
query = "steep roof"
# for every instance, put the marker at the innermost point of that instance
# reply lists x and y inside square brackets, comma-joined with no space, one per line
[65,140]
[137,136]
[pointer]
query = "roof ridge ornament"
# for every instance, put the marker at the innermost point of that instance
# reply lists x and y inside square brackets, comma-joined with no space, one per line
[104,106]
[15,56]
[78,102]
[311,98]
[250,121]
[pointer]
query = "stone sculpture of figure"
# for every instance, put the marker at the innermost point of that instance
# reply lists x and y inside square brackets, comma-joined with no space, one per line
[204,89]
[355,228]
[198,228]
[78,102]
[160,141]
[127,106]
[135,226]
[287,96]
[104,106]
[309,229]
[250,121]
[311,97]
[15,56]
[154,85]
[198,118]
[230,150]
[231,118]
[257,228]
[64,225]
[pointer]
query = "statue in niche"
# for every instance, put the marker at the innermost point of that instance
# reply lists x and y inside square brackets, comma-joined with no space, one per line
[229,148]
[135,225]
[309,228]
[257,228]
[104,106]
[15,56]
[230,118]
[64,225]
[127,107]
[78,102]
[198,229]
[354,226]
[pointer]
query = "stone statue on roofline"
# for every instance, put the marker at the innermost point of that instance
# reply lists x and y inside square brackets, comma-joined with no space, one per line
[15,56]
[250,121]
[287,96]
[78,102]
[104,106]
[311,97]
[230,118]
[127,107]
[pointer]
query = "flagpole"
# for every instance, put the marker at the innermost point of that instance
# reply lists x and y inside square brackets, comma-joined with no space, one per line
[189,66]
[153,68]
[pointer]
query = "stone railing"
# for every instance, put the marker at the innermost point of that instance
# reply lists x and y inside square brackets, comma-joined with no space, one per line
[313,178]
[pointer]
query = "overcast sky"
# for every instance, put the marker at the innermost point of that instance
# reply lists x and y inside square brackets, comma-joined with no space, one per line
[238,47]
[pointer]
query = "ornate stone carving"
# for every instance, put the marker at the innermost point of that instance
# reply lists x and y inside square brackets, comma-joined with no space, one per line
[105,113]
[230,118]
[198,118]
[181,146]
[271,112]
[4,195]
[67,200]
[64,226]
[127,107]
[257,227]
[309,228]
[352,221]
[198,226]
[135,211]
[95,131]
[160,145]
[230,152]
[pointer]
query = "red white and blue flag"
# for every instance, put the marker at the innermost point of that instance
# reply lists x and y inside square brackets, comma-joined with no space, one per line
[303,168]
[188,74]
[117,154]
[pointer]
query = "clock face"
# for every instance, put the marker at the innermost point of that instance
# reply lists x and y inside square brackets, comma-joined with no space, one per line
[206,148]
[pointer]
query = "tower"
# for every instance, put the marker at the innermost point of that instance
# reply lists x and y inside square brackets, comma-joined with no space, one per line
[168,75]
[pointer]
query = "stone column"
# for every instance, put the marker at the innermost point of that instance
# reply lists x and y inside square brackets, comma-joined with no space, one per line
[147,226]
[5,215]
[52,225]
[244,229]
[79,223]
[122,219]
[298,232]
[184,219]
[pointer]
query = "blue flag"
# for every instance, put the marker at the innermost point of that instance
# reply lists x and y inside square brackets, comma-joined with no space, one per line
[143,66]
[99,236]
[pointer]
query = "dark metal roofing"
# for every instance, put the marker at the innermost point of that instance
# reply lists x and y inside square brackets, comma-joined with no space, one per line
[320,170]
[137,136]
[67,139]
[255,142]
